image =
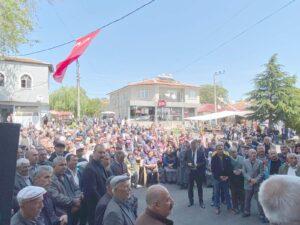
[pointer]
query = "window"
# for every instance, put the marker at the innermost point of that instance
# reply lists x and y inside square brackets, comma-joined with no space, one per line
[189,112]
[169,114]
[192,94]
[25,81]
[144,94]
[142,113]
[171,95]
[1,80]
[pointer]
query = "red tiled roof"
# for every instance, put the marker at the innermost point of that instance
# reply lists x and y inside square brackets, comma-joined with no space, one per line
[210,108]
[61,113]
[168,82]
[238,106]
[159,81]
[207,107]
[27,60]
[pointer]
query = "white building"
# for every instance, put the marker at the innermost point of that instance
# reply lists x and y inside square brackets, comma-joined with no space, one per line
[158,99]
[24,89]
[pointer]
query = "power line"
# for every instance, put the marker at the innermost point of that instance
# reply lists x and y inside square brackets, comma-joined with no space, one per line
[89,62]
[222,25]
[101,28]
[235,36]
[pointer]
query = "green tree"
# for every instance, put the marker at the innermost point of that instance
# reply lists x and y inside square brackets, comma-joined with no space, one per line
[293,120]
[17,21]
[273,96]
[93,107]
[65,99]
[207,93]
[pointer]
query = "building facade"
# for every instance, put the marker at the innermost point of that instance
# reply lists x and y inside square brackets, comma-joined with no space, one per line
[158,99]
[24,90]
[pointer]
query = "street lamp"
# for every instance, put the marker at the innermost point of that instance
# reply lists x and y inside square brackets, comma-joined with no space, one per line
[215,88]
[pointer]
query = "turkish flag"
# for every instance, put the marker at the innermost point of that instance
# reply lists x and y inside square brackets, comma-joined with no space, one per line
[79,48]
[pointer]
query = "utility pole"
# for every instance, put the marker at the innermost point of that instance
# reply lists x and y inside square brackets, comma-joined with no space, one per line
[215,92]
[78,90]
[215,89]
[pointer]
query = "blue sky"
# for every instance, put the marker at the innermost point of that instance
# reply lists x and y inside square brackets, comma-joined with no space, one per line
[166,36]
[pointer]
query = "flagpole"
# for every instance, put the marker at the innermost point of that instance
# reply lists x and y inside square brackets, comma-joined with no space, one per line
[78,90]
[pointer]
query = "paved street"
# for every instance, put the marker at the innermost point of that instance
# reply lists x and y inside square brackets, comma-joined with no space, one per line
[182,215]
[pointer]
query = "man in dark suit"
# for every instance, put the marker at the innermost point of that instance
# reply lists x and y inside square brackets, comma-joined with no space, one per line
[93,181]
[196,171]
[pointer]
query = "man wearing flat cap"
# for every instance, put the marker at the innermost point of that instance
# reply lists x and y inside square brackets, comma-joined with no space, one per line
[117,211]
[59,147]
[30,200]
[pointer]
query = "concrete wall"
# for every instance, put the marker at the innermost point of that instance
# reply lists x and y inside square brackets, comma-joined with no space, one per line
[192,99]
[119,102]
[135,92]
[122,99]
[12,91]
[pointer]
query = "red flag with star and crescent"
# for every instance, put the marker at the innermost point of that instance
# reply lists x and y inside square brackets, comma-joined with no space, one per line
[79,48]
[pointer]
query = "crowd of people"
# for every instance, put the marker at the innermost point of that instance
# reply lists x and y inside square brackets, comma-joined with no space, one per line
[84,174]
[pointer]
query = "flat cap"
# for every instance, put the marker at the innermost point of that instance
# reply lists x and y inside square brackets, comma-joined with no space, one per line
[30,193]
[118,179]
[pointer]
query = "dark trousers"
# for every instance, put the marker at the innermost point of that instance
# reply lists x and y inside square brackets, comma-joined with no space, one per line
[152,177]
[194,176]
[83,212]
[73,218]
[248,196]
[91,207]
[237,196]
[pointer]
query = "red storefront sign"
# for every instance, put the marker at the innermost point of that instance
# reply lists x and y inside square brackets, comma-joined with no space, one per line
[162,103]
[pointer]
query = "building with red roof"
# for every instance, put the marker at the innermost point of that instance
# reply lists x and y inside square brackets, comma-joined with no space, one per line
[158,99]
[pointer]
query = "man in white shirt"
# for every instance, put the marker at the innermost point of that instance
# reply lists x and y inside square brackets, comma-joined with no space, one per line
[290,168]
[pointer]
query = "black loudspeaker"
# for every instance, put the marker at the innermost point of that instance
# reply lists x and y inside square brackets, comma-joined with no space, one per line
[9,141]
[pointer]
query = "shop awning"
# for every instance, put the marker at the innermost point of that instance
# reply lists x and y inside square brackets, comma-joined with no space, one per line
[219,115]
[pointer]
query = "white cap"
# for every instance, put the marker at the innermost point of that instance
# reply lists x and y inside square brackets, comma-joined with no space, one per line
[118,179]
[30,193]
